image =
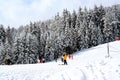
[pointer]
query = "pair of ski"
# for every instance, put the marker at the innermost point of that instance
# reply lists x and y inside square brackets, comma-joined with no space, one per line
[62,64]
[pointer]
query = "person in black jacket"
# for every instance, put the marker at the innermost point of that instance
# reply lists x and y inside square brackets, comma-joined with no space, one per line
[55,57]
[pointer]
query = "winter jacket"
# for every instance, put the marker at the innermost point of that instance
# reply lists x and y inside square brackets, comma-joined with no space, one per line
[55,56]
[64,57]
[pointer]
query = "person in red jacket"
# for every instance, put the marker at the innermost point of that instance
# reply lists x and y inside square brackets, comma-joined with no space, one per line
[70,56]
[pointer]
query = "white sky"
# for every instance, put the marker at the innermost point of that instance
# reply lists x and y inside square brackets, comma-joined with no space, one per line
[20,12]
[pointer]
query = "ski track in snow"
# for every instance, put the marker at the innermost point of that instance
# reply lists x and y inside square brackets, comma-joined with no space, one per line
[70,74]
[64,72]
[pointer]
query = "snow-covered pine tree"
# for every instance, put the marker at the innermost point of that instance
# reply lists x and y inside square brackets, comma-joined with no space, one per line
[32,44]
[108,29]
[9,35]
[95,26]
[16,51]
[116,21]
[80,27]
[2,33]
[86,29]
[73,19]
[2,52]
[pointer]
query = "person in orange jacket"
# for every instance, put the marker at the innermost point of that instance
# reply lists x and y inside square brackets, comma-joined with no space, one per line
[64,57]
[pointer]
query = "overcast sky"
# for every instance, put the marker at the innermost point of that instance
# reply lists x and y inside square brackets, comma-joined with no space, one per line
[20,12]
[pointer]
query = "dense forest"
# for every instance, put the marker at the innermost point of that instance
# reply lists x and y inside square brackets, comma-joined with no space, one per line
[69,32]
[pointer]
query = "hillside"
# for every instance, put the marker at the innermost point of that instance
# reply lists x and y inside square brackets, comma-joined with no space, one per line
[89,64]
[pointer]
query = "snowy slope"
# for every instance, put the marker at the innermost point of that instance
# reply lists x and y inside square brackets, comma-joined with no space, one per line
[90,64]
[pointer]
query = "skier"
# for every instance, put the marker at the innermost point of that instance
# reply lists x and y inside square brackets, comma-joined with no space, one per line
[41,59]
[64,57]
[55,57]
[70,56]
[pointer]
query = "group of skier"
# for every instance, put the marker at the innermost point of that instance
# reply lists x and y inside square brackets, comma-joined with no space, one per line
[63,58]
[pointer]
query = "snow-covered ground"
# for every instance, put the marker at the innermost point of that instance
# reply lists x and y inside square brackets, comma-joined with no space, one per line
[90,64]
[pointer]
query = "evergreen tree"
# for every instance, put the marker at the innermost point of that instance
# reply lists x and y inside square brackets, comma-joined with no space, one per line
[2,33]
[73,19]
[2,52]
[9,36]
[16,51]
